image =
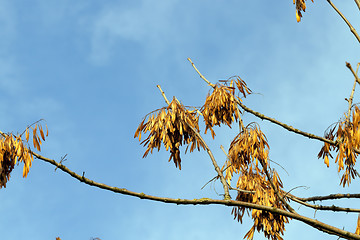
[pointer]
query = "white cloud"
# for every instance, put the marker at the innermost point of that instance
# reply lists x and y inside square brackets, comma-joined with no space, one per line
[145,23]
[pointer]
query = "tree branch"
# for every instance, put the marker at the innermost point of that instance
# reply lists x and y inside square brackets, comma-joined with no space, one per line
[350,100]
[262,117]
[348,65]
[321,207]
[202,76]
[287,127]
[205,201]
[330,197]
[352,29]
[357,3]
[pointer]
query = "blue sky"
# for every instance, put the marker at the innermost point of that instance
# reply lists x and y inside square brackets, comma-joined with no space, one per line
[90,68]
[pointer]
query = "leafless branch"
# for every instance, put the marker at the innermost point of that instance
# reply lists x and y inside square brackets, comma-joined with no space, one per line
[348,65]
[350,100]
[205,201]
[202,76]
[352,29]
[321,207]
[330,197]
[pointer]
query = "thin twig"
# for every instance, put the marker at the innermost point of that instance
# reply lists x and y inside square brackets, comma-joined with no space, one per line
[217,169]
[321,207]
[206,201]
[202,76]
[350,100]
[163,94]
[330,197]
[348,65]
[352,29]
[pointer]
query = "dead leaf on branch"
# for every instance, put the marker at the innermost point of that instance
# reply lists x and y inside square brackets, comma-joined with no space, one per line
[13,150]
[220,106]
[171,126]
[247,149]
[272,225]
[346,133]
[300,7]
[249,146]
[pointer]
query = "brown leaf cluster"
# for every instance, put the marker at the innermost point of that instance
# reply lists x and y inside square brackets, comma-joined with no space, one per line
[220,106]
[171,126]
[300,6]
[248,149]
[271,224]
[347,137]
[14,149]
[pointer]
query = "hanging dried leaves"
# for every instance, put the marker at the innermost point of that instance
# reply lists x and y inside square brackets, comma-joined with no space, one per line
[347,137]
[247,149]
[173,126]
[14,149]
[249,146]
[300,6]
[272,225]
[220,106]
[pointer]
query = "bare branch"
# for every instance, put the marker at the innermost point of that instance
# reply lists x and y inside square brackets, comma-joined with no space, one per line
[163,94]
[206,201]
[321,207]
[287,127]
[352,29]
[348,65]
[350,100]
[330,197]
[202,76]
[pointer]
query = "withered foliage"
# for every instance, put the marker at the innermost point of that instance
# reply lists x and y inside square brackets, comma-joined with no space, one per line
[300,6]
[175,125]
[14,149]
[172,126]
[347,138]
[247,150]
[220,106]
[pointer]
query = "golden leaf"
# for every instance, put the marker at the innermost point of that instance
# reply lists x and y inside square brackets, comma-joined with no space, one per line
[42,133]
[326,161]
[27,134]
[36,143]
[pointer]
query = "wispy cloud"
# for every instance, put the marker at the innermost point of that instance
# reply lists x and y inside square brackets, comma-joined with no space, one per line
[146,23]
